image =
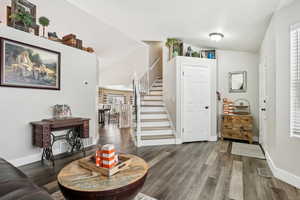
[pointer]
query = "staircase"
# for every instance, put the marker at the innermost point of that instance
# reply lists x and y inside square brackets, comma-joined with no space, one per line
[156,127]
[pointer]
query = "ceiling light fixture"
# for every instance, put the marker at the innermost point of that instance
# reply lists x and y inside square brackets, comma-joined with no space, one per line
[216,36]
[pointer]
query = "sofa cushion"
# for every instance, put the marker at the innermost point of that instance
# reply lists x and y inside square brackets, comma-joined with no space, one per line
[9,172]
[22,189]
[14,185]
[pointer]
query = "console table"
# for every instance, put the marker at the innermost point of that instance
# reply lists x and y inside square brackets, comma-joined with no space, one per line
[78,128]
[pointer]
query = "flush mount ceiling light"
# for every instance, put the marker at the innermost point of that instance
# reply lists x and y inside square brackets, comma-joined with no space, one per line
[216,36]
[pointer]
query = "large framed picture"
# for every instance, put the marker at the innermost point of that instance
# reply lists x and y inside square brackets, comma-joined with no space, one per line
[28,66]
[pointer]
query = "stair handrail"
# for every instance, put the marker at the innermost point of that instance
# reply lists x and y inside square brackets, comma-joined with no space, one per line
[141,87]
[148,78]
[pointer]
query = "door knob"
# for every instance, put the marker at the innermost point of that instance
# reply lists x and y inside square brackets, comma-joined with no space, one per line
[206,107]
[263,109]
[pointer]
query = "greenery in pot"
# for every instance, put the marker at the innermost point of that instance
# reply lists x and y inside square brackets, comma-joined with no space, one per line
[196,54]
[173,45]
[44,21]
[24,17]
[171,42]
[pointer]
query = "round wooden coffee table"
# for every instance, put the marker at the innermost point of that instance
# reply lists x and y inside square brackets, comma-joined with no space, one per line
[77,183]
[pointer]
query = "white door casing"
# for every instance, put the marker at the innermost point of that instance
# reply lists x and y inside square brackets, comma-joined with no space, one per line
[263,100]
[196,102]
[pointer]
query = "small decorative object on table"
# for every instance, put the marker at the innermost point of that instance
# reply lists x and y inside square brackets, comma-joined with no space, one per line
[241,107]
[106,161]
[61,111]
[228,107]
[108,156]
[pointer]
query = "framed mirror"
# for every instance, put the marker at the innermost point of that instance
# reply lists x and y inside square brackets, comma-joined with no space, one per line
[237,82]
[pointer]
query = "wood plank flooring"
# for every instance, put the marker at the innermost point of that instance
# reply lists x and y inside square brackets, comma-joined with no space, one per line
[193,171]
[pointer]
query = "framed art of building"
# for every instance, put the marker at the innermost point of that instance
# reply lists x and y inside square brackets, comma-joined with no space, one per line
[27,66]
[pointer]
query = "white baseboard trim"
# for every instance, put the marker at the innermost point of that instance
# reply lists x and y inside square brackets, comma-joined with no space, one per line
[34,157]
[213,138]
[282,174]
[178,141]
[26,160]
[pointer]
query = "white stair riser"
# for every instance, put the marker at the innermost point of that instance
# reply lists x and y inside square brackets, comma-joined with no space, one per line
[158,84]
[157,132]
[154,116]
[153,97]
[152,103]
[155,124]
[158,142]
[156,88]
[155,92]
[153,109]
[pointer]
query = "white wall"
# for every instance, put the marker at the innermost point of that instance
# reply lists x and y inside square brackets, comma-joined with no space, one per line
[155,50]
[281,148]
[230,61]
[169,89]
[18,106]
[121,72]
[110,44]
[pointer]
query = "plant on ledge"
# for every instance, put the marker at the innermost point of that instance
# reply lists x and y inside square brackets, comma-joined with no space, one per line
[174,47]
[24,17]
[44,21]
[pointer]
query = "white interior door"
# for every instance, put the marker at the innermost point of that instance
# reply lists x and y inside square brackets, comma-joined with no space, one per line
[263,101]
[196,103]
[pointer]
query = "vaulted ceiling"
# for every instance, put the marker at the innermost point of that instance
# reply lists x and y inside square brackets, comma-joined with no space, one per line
[243,22]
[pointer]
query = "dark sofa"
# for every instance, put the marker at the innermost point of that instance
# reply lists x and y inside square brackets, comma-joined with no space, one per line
[15,185]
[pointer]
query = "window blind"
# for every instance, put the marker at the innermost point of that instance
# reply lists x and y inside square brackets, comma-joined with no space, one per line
[295,80]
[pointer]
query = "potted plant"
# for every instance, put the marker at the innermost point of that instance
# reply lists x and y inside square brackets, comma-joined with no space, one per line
[44,21]
[24,17]
[173,45]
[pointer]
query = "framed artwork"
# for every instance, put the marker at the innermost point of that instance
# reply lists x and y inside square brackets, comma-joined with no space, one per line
[28,66]
[22,6]
[20,26]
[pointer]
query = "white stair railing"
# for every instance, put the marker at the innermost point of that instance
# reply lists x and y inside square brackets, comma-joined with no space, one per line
[149,77]
[137,106]
[141,87]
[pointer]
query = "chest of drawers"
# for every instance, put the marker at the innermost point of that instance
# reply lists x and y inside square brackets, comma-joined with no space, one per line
[237,127]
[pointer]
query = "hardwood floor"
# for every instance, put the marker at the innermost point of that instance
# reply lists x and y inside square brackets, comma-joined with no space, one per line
[193,171]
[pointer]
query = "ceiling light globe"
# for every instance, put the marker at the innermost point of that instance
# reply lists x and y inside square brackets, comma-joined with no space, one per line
[216,37]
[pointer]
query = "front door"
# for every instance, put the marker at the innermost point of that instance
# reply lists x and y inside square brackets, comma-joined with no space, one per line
[196,103]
